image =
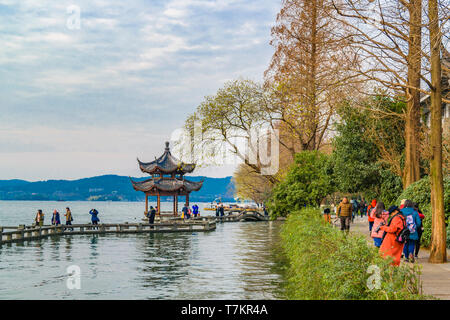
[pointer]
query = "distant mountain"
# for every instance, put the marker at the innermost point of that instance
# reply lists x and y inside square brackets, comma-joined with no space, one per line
[104,188]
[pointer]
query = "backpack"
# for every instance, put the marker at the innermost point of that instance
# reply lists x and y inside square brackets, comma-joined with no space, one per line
[403,235]
[411,224]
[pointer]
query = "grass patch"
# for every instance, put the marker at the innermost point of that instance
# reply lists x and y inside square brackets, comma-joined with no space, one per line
[326,264]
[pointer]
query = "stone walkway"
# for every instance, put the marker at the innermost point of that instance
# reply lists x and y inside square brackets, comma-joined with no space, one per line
[435,277]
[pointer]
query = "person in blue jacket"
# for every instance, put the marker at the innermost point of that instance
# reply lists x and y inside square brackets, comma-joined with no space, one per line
[94,216]
[408,211]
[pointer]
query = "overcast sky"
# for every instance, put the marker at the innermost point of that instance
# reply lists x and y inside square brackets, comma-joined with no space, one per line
[84,102]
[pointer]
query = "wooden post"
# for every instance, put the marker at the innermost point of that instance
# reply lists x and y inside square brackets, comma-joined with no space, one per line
[159,205]
[174,207]
[146,204]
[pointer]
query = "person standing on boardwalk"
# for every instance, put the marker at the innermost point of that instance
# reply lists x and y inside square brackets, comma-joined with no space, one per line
[195,210]
[370,217]
[413,222]
[381,218]
[39,219]
[344,212]
[94,216]
[56,221]
[419,230]
[390,247]
[221,210]
[69,218]
[151,216]
[185,211]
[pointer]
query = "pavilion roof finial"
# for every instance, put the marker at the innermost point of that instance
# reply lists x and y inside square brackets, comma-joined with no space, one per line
[167,146]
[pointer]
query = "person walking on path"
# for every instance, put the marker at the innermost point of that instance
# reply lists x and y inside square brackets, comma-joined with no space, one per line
[390,247]
[151,216]
[370,209]
[413,222]
[344,212]
[419,230]
[56,221]
[69,218]
[362,208]
[381,217]
[94,216]
[355,206]
[327,215]
[39,219]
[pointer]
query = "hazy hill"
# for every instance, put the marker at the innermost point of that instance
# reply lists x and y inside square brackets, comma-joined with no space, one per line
[103,188]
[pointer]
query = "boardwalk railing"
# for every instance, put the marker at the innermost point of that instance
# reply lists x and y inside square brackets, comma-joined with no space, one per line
[23,233]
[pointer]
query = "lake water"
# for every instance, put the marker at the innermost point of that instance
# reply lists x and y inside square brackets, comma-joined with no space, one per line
[236,261]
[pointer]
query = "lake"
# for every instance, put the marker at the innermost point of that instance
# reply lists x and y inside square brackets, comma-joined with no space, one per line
[236,261]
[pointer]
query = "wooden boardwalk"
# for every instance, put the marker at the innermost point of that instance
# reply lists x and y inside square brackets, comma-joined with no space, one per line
[245,215]
[24,233]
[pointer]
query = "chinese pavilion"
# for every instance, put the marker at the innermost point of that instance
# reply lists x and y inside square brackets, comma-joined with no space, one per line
[167,180]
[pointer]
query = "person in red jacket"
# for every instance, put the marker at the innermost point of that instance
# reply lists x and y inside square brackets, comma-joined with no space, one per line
[370,216]
[390,247]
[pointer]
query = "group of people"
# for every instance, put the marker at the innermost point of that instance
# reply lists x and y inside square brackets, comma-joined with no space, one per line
[187,212]
[396,231]
[56,218]
[220,210]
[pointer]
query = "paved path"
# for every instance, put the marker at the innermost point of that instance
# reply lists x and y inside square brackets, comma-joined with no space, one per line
[435,277]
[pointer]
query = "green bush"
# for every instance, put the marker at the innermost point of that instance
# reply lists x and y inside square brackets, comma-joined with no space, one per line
[306,184]
[325,263]
[420,192]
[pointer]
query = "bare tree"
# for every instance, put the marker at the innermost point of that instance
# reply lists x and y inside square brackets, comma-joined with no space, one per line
[438,252]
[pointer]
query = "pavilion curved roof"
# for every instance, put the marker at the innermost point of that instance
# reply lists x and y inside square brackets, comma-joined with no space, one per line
[166,164]
[167,185]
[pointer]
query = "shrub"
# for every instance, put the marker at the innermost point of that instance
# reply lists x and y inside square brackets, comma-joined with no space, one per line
[306,184]
[325,263]
[420,192]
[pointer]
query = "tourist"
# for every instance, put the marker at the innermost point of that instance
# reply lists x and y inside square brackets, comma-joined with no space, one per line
[56,221]
[185,211]
[94,216]
[355,205]
[151,217]
[327,215]
[390,247]
[69,217]
[380,218]
[195,210]
[344,212]
[370,217]
[419,230]
[222,210]
[362,208]
[39,219]
[217,210]
[266,213]
[402,203]
[413,222]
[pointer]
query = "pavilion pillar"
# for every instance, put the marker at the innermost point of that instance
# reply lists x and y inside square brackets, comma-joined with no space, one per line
[146,204]
[176,204]
[187,200]
[159,205]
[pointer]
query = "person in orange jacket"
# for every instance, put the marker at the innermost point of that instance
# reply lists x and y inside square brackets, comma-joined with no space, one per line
[390,247]
[370,210]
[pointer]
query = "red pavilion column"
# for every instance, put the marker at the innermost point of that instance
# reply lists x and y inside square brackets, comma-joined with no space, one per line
[159,205]
[146,204]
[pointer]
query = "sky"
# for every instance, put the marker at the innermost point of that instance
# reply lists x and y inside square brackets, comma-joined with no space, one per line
[86,97]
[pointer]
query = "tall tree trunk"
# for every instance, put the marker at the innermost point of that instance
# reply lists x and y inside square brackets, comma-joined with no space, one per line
[412,124]
[438,253]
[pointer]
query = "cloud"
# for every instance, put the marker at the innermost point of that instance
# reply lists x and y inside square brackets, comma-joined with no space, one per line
[132,64]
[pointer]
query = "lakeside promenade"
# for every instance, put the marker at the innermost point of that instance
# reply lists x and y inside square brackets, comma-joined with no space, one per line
[435,277]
